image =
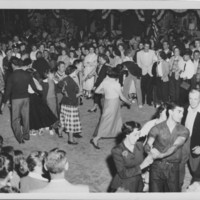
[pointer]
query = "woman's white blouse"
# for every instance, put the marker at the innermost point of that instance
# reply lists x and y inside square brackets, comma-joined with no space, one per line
[110,87]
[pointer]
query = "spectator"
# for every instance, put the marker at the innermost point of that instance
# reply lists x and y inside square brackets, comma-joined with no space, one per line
[57,163]
[34,180]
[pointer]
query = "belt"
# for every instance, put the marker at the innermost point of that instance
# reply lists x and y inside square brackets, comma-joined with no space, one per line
[165,162]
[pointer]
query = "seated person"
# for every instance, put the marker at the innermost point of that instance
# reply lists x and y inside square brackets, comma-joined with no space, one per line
[6,171]
[56,163]
[34,180]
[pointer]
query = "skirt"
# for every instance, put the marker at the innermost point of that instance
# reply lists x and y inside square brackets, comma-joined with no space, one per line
[40,114]
[70,119]
[110,123]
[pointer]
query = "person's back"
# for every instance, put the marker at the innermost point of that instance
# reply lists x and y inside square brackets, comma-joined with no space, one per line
[29,183]
[56,163]
[62,186]
[113,90]
[20,80]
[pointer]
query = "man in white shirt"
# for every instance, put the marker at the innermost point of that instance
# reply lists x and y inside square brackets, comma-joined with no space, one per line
[145,60]
[56,163]
[191,149]
[196,61]
[186,75]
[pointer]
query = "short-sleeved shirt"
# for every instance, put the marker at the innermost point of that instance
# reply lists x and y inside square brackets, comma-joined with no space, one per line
[164,139]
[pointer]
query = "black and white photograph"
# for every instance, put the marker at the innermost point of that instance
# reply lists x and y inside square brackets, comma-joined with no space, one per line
[99,100]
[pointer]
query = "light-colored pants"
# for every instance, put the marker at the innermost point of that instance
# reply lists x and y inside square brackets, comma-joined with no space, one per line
[127,85]
[20,117]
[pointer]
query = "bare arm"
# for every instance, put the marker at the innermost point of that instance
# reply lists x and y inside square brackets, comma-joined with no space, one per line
[123,98]
[177,144]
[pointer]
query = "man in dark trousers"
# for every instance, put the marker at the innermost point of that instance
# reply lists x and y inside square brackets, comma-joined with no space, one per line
[102,72]
[17,92]
[165,142]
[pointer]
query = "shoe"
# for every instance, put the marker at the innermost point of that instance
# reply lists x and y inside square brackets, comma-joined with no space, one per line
[125,105]
[73,143]
[140,106]
[51,132]
[81,101]
[78,135]
[94,145]
[33,132]
[60,135]
[92,110]
[22,142]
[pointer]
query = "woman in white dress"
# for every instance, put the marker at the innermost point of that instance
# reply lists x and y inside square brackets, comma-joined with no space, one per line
[90,63]
[110,123]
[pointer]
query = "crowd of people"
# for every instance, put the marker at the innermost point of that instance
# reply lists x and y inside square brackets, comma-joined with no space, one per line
[44,80]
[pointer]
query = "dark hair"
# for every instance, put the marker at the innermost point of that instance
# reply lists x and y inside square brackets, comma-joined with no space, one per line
[105,57]
[147,42]
[119,67]
[27,62]
[165,41]
[9,189]
[16,61]
[39,53]
[77,61]
[159,110]
[6,165]
[187,52]
[70,69]
[116,52]
[113,72]
[56,160]
[1,139]
[163,55]
[74,52]
[129,126]
[8,150]
[171,106]
[127,52]
[123,45]
[60,63]
[196,51]
[34,159]
[18,155]
[9,49]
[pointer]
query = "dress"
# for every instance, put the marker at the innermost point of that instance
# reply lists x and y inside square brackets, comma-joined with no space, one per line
[40,115]
[90,64]
[110,122]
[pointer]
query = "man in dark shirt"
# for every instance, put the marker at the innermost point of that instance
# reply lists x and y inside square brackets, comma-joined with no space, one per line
[102,72]
[167,139]
[17,92]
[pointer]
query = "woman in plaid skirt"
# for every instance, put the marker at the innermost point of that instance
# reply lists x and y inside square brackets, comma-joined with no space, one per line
[69,114]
